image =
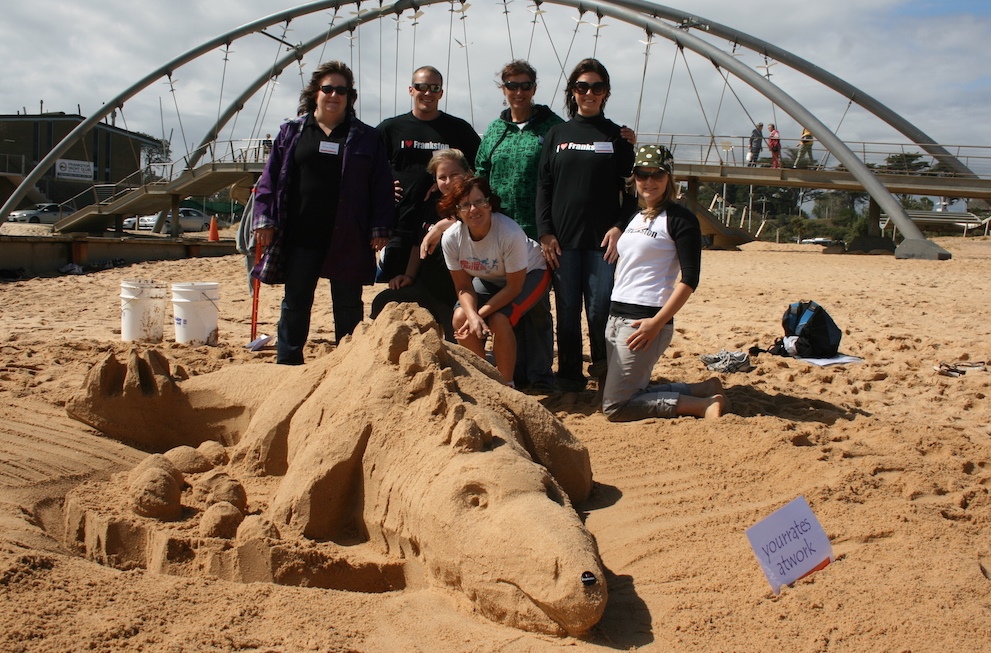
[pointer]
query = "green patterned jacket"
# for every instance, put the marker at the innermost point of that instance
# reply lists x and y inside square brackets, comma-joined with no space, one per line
[509,157]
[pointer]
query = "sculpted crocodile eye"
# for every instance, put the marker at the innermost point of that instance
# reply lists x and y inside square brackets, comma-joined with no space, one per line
[474,495]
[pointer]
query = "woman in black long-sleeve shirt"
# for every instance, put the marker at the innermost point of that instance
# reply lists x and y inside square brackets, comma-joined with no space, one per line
[581,209]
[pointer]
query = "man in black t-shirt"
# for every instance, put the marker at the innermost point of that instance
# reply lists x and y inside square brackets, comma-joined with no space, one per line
[411,139]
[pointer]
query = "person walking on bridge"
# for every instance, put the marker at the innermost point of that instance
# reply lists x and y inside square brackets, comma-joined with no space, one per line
[756,145]
[774,144]
[804,148]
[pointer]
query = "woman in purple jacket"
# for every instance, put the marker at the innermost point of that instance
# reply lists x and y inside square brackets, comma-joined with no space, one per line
[323,207]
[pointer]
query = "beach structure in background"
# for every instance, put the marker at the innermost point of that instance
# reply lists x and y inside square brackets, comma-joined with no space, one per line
[216,163]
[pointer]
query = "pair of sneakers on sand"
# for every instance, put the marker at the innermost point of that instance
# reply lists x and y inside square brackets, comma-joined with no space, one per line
[727,361]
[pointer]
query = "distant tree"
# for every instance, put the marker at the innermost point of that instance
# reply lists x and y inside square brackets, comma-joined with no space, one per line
[781,201]
[915,203]
[707,191]
[156,157]
[799,228]
[839,205]
[841,215]
[941,169]
[768,201]
[910,163]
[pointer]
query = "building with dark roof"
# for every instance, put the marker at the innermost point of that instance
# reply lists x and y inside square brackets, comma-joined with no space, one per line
[107,155]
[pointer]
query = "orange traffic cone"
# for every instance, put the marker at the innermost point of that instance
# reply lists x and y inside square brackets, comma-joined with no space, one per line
[214,233]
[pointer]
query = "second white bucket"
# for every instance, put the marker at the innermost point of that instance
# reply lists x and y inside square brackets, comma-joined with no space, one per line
[195,306]
[142,310]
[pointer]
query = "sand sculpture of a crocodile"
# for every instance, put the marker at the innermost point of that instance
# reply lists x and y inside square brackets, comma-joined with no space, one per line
[396,444]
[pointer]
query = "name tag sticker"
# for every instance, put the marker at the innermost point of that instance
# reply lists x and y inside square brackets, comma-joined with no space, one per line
[790,544]
[603,147]
[329,147]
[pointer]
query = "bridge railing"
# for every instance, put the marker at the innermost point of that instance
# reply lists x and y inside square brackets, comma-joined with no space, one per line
[248,150]
[704,149]
[728,150]
[242,150]
[108,193]
[732,150]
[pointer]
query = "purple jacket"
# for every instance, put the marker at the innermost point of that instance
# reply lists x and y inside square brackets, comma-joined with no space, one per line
[366,208]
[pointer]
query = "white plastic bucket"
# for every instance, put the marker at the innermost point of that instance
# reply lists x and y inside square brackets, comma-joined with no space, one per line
[142,310]
[195,308]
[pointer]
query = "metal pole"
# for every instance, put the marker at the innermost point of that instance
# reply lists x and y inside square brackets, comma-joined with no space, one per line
[750,202]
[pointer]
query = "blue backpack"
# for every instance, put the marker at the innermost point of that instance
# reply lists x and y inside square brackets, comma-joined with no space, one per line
[809,330]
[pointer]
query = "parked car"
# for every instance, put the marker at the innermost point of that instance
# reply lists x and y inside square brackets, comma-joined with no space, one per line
[131,222]
[189,220]
[47,213]
[826,242]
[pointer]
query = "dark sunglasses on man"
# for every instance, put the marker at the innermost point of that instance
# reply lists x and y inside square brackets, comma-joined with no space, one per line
[423,87]
[519,86]
[330,89]
[598,88]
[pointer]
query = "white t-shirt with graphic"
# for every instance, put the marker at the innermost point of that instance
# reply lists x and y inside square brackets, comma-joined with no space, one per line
[505,248]
[648,265]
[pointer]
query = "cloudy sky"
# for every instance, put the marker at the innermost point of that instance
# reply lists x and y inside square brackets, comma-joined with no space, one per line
[926,59]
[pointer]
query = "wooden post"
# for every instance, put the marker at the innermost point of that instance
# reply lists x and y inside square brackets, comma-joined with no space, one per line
[80,251]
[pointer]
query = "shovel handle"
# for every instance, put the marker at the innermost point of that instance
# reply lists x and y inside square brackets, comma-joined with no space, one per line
[255,289]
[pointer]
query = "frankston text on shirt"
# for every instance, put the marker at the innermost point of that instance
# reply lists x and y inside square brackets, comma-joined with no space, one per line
[423,145]
[602,147]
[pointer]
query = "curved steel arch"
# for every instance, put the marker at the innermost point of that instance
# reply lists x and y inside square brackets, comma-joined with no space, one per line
[296,55]
[634,12]
[165,70]
[809,69]
[837,148]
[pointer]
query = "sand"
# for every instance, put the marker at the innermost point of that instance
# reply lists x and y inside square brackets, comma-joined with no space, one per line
[891,456]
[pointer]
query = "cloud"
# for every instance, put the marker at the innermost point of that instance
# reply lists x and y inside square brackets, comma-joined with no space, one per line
[916,57]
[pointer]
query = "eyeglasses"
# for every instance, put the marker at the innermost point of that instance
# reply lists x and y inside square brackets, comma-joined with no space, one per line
[519,86]
[582,88]
[643,174]
[478,204]
[339,90]
[423,88]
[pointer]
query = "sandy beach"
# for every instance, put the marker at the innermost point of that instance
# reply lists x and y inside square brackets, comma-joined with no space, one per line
[893,458]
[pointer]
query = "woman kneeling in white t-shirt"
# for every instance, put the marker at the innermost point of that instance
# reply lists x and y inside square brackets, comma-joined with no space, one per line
[661,243]
[499,274]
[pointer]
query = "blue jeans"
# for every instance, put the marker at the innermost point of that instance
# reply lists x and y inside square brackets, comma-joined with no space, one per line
[582,275]
[302,274]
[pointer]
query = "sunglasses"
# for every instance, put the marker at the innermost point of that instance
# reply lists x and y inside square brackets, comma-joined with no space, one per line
[519,86]
[582,88]
[478,204]
[423,88]
[330,89]
[643,174]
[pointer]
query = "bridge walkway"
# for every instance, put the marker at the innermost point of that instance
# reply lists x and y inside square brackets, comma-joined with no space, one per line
[150,198]
[209,178]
